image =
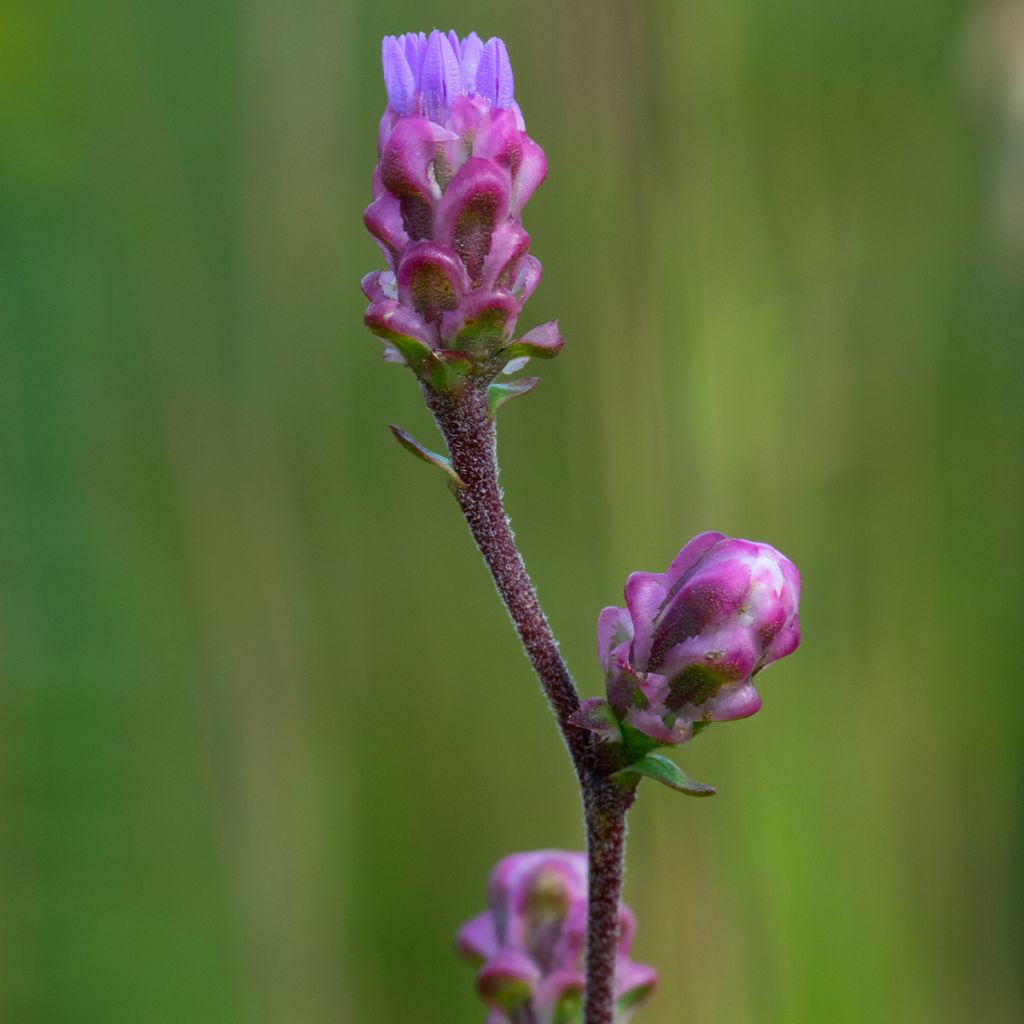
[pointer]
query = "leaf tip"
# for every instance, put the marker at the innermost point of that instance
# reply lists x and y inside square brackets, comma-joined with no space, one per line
[411,445]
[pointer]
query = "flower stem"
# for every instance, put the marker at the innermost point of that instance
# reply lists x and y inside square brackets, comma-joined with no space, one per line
[468,429]
[469,432]
[606,807]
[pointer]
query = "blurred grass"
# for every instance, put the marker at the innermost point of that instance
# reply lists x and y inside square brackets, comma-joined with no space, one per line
[264,728]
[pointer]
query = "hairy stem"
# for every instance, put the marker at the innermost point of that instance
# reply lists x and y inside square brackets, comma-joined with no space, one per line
[606,807]
[469,432]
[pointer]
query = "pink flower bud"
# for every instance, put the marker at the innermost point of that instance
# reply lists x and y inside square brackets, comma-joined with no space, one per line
[689,642]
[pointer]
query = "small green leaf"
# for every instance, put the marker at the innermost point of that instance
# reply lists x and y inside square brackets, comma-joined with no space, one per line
[668,773]
[410,444]
[499,394]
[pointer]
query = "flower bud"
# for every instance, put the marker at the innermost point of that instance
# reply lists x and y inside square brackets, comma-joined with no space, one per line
[689,642]
[455,169]
[529,943]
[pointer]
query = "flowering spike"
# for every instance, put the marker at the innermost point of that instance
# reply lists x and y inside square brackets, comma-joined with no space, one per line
[455,169]
[528,944]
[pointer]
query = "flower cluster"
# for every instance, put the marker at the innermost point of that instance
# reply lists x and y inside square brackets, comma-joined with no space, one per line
[529,943]
[455,169]
[685,649]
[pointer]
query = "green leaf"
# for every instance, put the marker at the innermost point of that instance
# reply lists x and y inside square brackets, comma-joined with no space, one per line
[410,444]
[668,773]
[499,394]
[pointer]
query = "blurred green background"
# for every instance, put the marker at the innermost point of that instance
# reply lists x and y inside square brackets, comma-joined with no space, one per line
[265,726]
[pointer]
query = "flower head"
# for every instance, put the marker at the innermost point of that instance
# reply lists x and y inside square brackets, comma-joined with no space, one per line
[455,170]
[529,944]
[423,75]
[686,647]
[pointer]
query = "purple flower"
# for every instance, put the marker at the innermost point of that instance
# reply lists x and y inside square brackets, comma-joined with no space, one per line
[455,170]
[686,647]
[424,75]
[529,943]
